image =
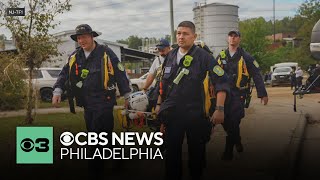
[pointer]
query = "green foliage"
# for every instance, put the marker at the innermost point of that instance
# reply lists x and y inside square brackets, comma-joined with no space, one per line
[31,32]
[12,87]
[123,41]
[134,42]
[282,54]
[253,32]
[31,35]
[309,14]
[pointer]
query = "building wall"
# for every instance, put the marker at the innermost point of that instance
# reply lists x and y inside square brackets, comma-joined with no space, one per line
[213,22]
[68,46]
[280,36]
[65,48]
[115,48]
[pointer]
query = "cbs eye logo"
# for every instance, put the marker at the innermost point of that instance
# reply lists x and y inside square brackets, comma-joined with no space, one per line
[66,138]
[40,145]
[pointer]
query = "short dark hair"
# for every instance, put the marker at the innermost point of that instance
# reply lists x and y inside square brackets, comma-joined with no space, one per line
[188,24]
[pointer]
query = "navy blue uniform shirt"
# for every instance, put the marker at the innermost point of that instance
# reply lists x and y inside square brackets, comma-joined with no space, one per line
[231,68]
[93,92]
[188,93]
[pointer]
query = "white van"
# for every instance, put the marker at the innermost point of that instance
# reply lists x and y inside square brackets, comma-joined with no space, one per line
[281,73]
[293,65]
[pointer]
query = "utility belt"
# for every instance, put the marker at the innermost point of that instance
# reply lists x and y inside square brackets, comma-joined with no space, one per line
[245,95]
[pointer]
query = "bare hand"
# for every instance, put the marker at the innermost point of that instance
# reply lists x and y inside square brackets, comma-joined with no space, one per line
[162,128]
[217,117]
[157,109]
[56,101]
[265,100]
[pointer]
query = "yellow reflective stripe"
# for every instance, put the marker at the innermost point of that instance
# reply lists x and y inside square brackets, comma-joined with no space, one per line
[240,64]
[219,62]
[106,70]
[245,69]
[71,62]
[207,102]
[111,71]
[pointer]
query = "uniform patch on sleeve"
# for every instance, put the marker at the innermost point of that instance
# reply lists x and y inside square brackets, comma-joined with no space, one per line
[218,70]
[120,67]
[255,63]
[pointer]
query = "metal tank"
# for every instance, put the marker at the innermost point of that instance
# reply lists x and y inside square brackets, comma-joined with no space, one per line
[315,41]
[213,22]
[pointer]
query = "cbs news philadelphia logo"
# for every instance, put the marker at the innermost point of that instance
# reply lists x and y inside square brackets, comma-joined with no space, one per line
[34,145]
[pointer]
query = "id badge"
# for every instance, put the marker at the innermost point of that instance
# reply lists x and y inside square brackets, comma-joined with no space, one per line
[167,70]
[79,84]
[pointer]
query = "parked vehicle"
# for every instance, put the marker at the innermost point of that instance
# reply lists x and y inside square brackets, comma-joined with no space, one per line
[293,65]
[43,81]
[138,83]
[281,75]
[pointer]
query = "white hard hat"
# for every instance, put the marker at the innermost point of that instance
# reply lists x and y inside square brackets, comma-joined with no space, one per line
[138,101]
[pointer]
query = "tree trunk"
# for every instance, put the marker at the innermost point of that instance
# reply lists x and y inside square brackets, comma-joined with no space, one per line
[30,99]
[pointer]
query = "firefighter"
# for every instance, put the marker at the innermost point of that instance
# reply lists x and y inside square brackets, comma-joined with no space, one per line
[91,76]
[240,67]
[181,102]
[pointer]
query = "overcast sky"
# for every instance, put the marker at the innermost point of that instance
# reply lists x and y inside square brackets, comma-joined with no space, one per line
[118,19]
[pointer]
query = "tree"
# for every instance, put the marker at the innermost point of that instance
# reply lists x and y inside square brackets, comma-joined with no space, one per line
[134,42]
[253,32]
[2,43]
[31,35]
[123,41]
[308,14]
[12,86]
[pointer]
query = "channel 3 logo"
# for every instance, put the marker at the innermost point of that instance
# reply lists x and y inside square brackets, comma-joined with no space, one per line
[27,145]
[34,145]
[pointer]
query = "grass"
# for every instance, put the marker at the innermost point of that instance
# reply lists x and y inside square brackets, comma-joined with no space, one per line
[43,104]
[65,103]
[60,122]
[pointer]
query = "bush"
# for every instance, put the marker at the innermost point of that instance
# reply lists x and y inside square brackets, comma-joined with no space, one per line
[12,86]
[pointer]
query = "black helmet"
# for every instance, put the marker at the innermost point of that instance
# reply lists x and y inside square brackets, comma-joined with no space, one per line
[83,29]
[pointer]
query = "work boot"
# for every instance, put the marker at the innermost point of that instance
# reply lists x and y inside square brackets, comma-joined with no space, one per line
[228,150]
[239,146]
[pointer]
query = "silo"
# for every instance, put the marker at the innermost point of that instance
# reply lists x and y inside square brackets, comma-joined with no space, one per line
[213,22]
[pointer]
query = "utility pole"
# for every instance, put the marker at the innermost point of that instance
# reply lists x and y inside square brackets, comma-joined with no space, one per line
[173,36]
[274,21]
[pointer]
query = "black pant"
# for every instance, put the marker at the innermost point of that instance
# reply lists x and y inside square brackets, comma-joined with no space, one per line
[299,81]
[233,115]
[193,124]
[98,121]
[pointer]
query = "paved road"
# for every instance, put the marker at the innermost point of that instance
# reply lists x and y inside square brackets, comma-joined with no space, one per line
[272,137]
